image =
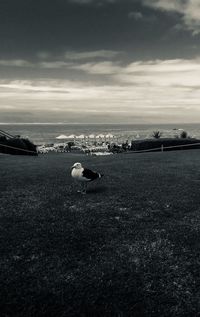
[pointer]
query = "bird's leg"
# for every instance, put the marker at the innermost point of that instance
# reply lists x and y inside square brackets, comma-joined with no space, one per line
[79,187]
[84,188]
[76,186]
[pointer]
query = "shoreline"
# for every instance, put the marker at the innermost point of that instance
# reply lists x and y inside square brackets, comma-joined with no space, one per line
[42,133]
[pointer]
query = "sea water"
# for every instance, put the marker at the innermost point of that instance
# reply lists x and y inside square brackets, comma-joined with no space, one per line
[47,133]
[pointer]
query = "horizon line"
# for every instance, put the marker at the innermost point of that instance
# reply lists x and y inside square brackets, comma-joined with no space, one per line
[94,123]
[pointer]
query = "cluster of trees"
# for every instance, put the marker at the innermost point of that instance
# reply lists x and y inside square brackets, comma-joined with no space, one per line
[158,134]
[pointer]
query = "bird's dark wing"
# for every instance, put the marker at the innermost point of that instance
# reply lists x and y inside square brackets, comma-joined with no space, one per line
[90,174]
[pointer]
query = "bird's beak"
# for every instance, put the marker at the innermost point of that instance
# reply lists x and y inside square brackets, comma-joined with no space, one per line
[72,167]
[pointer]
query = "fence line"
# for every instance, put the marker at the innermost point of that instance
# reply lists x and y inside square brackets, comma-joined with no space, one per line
[162,148]
[16,148]
[10,136]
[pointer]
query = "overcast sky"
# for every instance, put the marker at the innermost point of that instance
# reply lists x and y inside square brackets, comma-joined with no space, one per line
[134,61]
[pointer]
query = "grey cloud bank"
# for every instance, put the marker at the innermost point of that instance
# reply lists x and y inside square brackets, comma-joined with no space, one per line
[105,61]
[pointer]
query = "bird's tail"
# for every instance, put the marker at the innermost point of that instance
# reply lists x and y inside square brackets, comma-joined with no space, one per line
[101,175]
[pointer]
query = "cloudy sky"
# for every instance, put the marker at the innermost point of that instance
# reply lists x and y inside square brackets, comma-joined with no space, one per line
[128,61]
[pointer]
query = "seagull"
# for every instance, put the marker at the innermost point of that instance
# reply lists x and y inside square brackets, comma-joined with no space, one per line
[83,175]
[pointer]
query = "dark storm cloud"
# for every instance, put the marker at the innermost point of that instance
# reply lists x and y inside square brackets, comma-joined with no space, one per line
[32,27]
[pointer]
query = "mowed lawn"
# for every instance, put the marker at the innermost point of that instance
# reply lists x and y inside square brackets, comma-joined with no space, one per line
[129,247]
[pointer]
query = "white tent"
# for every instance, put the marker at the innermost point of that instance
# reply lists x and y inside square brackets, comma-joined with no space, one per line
[91,136]
[100,136]
[71,136]
[109,135]
[82,136]
[62,137]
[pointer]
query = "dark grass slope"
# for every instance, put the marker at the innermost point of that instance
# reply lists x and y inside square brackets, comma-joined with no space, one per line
[130,247]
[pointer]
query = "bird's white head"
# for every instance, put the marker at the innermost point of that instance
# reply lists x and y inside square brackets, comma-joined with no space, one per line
[77,166]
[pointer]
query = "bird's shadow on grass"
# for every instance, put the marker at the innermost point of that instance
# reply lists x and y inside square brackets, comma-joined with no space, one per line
[96,190]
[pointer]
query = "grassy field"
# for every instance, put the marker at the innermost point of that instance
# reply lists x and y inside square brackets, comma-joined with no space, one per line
[129,247]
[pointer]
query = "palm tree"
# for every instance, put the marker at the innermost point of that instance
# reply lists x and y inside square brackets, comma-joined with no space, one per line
[156,134]
[184,135]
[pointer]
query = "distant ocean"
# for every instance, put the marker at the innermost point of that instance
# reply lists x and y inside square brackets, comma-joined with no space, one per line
[47,133]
